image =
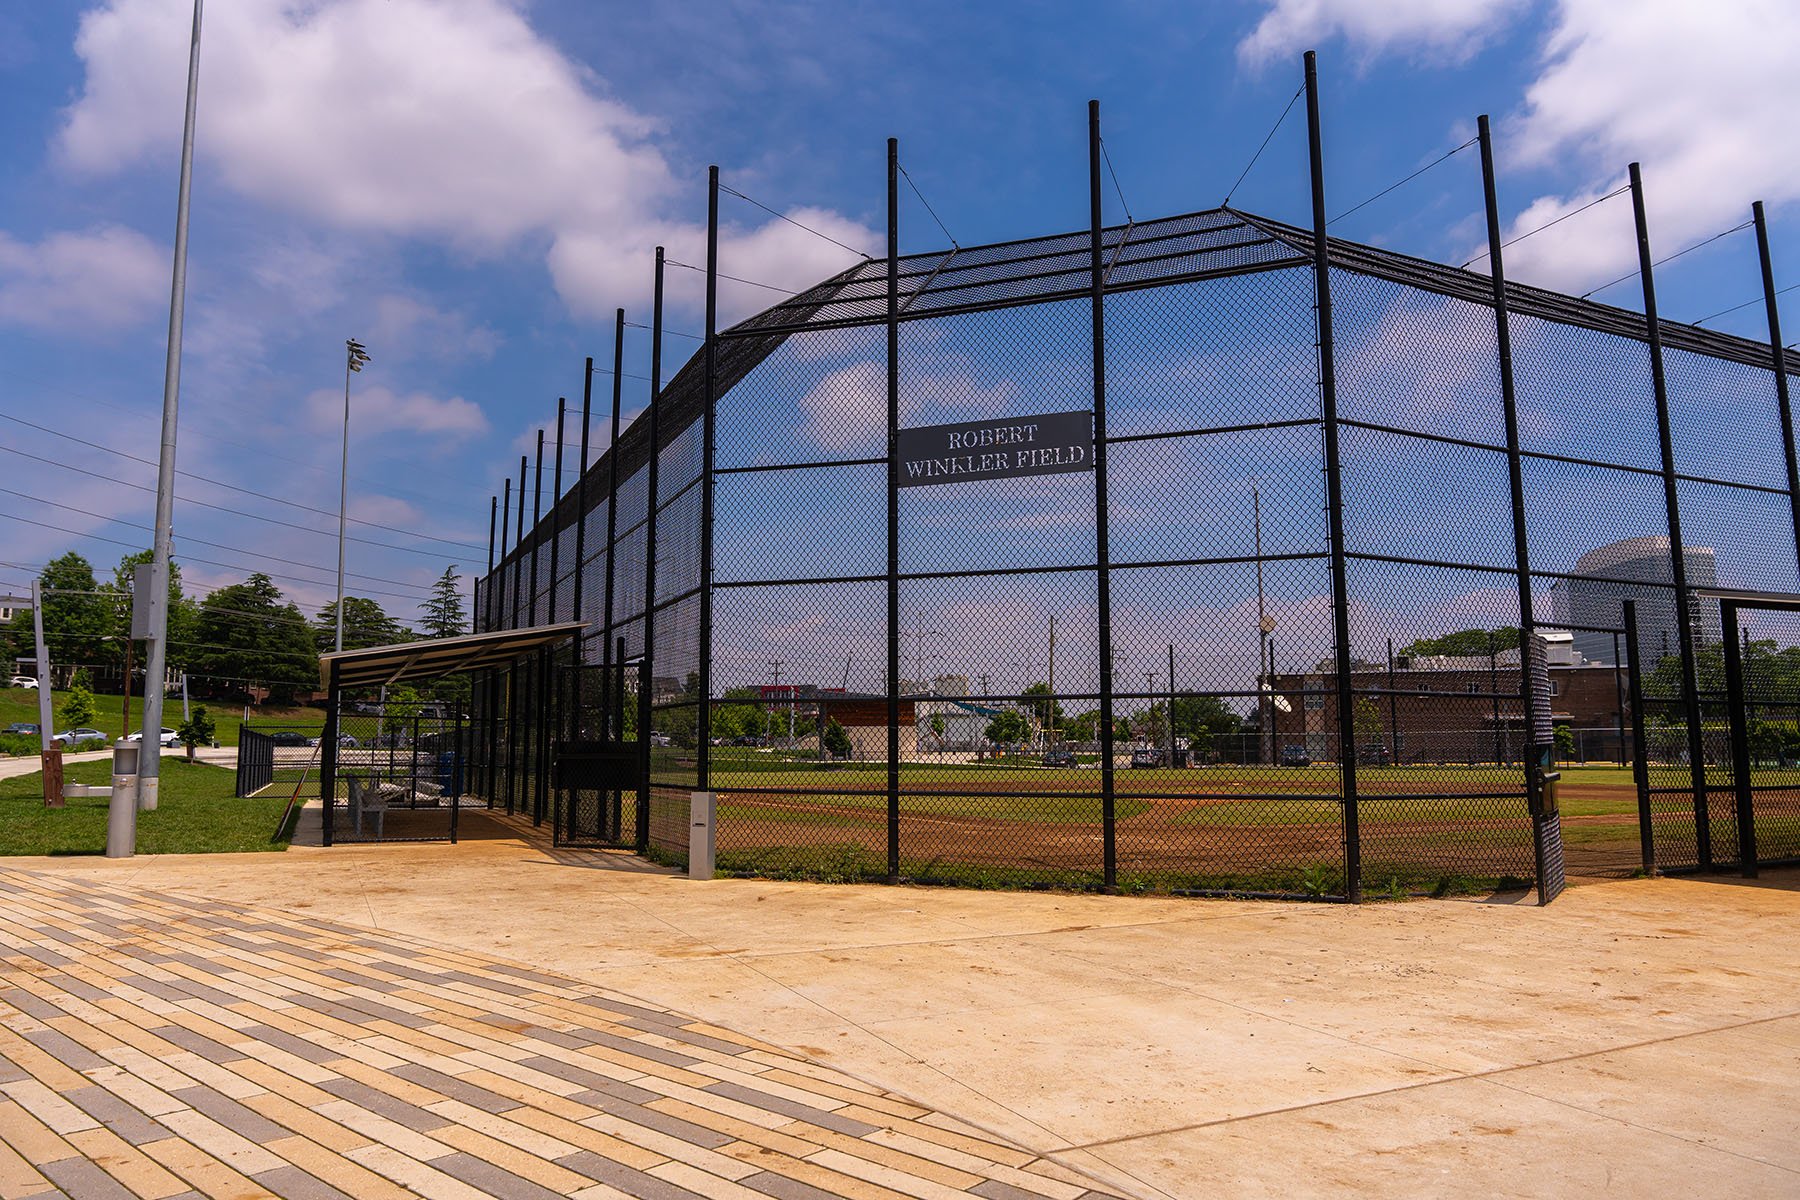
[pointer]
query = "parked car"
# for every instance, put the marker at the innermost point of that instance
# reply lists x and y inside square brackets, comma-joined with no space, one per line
[288,737]
[660,739]
[1150,756]
[168,737]
[24,681]
[1059,758]
[70,737]
[1295,756]
[1375,755]
[20,727]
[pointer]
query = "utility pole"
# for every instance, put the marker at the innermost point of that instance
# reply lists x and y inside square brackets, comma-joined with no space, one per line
[1264,627]
[121,820]
[51,758]
[1170,760]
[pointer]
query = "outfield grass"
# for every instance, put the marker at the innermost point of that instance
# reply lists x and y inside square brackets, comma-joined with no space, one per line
[195,814]
[21,705]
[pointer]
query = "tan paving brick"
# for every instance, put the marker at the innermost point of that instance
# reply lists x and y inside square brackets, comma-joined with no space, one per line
[126,1163]
[202,1171]
[340,1172]
[31,1137]
[307,1123]
[18,1177]
[415,1175]
[512,1158]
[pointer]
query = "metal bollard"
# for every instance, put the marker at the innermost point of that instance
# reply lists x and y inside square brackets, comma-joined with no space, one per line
[703,810]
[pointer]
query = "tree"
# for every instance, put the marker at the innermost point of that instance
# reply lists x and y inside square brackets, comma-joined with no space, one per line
[1368,721]
[443,613]
[1468,643]
[1207,722]
[197,730]
[79,621]
[366,624]
[78,707]
[247,633]
[1008,728]
[837,742]
[1565,743]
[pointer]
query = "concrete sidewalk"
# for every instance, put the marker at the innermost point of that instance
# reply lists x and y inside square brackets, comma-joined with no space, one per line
[1636,1036]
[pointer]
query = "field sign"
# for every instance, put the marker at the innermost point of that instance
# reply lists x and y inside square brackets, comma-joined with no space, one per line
[999,449]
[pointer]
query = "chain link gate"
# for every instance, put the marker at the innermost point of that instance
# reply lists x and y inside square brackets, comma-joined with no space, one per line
[1761,663]
[598,757]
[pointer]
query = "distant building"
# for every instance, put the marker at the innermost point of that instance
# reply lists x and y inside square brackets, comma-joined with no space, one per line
[1635,561]
[12,606]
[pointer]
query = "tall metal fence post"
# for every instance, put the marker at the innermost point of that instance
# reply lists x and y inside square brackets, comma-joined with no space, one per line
[1640,752]
[581,509]
[1514,466]
[1109,845]
[562,413]
[703,717]
[483,616]
[893,511]
[328,754]
[1737,703]
[1684,624]
[612,506]
[514,751]
[1779,361]
[1334,494]
[654,455]
[539,673]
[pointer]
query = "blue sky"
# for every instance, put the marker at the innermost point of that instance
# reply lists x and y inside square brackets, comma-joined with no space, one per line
[472,186]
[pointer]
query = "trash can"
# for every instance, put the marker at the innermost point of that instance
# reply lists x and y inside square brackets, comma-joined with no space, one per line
[449,773]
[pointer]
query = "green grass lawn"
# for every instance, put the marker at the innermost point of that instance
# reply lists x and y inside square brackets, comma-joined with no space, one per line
[195,814]
[21,704]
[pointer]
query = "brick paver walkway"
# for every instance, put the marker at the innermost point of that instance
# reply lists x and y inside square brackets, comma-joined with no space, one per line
[160,1047]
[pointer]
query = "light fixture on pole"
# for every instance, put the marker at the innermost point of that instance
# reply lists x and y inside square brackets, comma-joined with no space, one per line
[355,355]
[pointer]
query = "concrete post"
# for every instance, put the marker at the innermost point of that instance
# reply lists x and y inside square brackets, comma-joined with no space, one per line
[703,810]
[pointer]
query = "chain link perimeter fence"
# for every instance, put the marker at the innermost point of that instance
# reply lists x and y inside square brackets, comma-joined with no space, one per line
[1010,682]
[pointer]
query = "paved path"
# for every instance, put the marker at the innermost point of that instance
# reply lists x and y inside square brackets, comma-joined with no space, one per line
[12,765]
[160,1047]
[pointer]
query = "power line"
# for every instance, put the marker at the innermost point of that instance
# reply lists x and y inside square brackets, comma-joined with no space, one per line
[232,486]
[220,507]
[1746,304]
[204,561]
[1232,190]
[753,283]
[203,542]
[954,244]
[668,332]
[1402,183]
[1671,258]
[1618,191]
[209,436]
[797,225]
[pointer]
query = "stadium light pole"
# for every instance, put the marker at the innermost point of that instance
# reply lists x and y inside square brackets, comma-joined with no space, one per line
[122,810]
[355,355]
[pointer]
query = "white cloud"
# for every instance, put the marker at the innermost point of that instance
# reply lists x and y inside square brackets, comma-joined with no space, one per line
[1703,96]
[449,120]
[1449,30]
[377,410]
[102,278]
[410,327]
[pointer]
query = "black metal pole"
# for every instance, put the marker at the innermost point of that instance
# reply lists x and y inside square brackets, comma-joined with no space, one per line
[1109,847]
[1779,362]
[1736,713]
[1640,752]
[484,614]
[703,717]
[515,753]
[893,510]
[562,413]
[648,682]
[1619,696]
[495,608]
[581,509]
[328,753]
[580,506]
[612,514]
[1334,493]
[1514,464]
[539,674]
[1684,630]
